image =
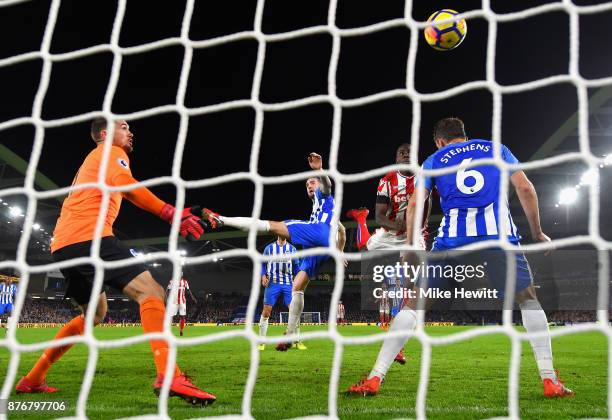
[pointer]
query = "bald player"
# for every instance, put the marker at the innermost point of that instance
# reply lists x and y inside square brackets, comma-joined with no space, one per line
[73,237]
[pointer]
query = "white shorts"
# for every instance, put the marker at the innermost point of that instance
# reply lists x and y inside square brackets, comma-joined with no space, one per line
[383,239]
[180,309]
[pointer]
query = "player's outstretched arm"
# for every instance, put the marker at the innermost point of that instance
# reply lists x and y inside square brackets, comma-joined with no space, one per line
[191,226]
[529,201]
[411,209]
[316,163]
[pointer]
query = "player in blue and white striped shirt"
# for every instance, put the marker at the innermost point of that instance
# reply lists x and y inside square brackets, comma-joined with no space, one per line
[309,234]
[277,278]
[470,202]
[8,291]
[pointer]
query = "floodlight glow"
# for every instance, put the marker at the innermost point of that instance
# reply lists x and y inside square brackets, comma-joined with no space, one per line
[14,211]
[589,177]
[568,196]
[36,226]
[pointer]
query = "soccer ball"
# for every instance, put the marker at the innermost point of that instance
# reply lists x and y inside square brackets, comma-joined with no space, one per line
[446,36]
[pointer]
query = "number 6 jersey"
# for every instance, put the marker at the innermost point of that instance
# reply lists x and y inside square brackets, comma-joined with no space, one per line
[470,196]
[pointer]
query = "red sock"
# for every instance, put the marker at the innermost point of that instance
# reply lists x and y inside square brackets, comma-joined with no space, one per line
[363,234]
[152,316]
[182,324]
[76,326]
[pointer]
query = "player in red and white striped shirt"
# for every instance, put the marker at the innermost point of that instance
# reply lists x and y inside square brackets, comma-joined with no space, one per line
[340,314]
[179,303]
[394,191]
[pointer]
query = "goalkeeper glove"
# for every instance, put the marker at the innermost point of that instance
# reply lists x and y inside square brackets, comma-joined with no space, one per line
[191,228]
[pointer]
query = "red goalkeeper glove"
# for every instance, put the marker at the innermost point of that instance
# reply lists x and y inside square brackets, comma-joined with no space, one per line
[191,228]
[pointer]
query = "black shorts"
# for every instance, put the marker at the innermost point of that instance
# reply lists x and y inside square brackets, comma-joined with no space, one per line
[80,278]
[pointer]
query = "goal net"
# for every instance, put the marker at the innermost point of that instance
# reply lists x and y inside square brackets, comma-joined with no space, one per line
[261,110]
[305,319]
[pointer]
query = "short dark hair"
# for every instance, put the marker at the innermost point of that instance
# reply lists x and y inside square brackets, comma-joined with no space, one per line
[406,145]
[449,129]
[97,125]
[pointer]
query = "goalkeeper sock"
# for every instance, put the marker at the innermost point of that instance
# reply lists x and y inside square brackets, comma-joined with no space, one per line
[263,326]
[245,223]
[534,320]
[152,317]
[404,321]
[295,311]
[75,326]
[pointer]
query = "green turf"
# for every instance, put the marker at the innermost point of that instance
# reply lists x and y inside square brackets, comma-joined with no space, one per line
[468,379]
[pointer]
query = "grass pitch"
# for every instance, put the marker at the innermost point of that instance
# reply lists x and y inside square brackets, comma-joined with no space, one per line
[467,379]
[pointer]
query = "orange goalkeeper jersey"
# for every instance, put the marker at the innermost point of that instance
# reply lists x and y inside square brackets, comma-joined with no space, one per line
[77,221]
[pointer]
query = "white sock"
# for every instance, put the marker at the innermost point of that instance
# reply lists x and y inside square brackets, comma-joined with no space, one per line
[245,223]
[534,320]
[295,311]
[263,326]
[8,320]
[405,320]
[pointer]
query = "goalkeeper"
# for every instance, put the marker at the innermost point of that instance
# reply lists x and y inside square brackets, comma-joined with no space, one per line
[73,237]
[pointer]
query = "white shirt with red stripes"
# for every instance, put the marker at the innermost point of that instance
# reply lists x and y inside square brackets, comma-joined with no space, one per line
[180,296]
[397,189]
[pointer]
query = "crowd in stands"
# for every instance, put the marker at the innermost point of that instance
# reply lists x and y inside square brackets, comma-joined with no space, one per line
[223,308]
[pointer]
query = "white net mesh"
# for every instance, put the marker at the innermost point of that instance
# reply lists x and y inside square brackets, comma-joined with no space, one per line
[584,155]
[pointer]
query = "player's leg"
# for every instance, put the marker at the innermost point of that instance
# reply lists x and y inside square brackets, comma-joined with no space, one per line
[533,316]
[9,314]
[535,321]
[360,215]
[397,305]
[270,297]
[404,321]
[150,296]
[296,307]
[182,316]
[139,285]
[298,232]
[264,320]
[243,223]
[174,311]
[287,292]
[34,381]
